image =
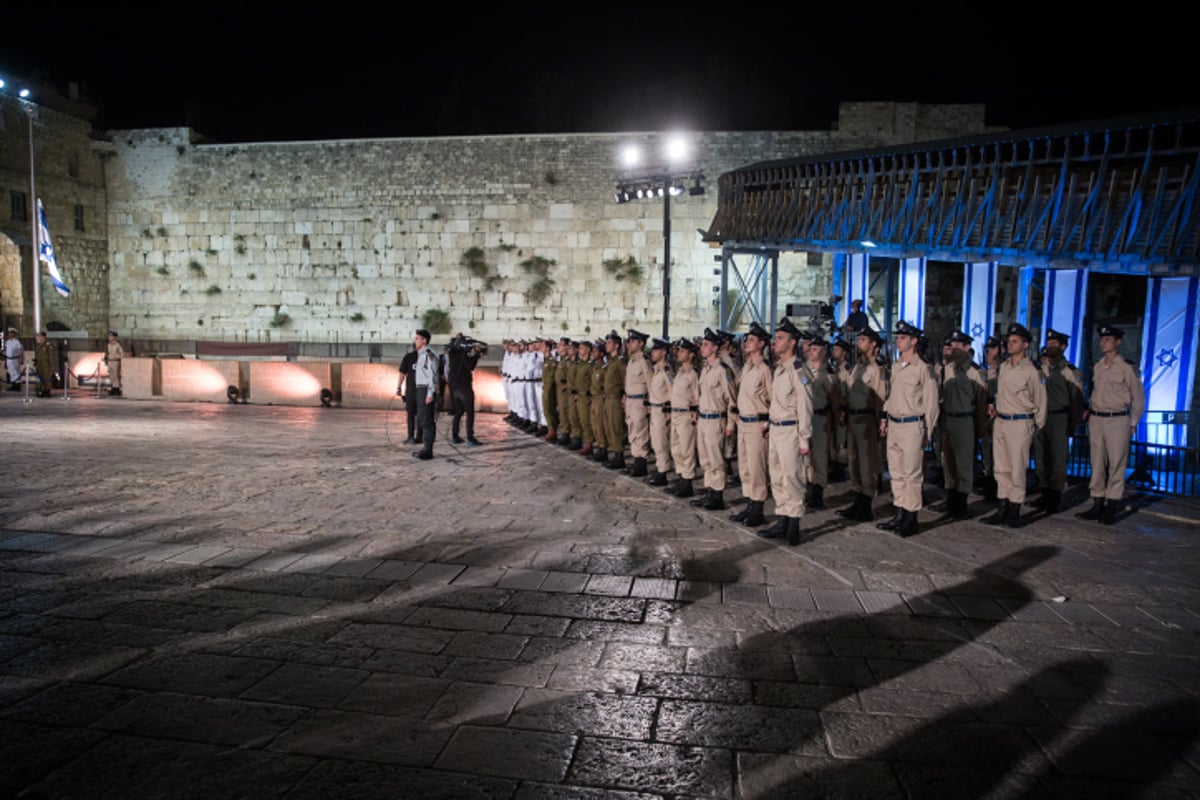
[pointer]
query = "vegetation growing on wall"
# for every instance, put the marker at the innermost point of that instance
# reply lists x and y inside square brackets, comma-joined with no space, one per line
[625,270]
[435,320]
[539,267]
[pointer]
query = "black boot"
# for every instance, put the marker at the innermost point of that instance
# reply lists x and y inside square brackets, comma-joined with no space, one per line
[714,500]
[908,525]
[576,444]
[742,515]
[864,512]
[638,469]
[600,454]
[817,499]
[893,523]
[617,461]
[851,510]
[959,509]
[685,488]
[808,490]
[1050,501]
[945,503]
[793,531]
[1111,507]
[657,479]
[755,517]
[1095,512]
[564,439]
[778,529]
[701,502]
[1000,516]
[1013,519]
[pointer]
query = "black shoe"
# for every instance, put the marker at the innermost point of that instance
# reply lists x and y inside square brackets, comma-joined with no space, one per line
[778,529]
[564,440]
[1013,520]
[542,430]
[657,479]
[638,469]
[1050,501]
[702,501]
[817,498]
[1095,512]
[908,525]
[756,517]
[714,500]
[893,523]
[600,454]
[851,511]
[1000,517]
[418,440]
[1111,507]
[793,531]
[458,440]
[685,488]
[943,504]
[409,440]
[617,461]
[424,455]
[576,444]
[958,508]
[473,442]
[742,515]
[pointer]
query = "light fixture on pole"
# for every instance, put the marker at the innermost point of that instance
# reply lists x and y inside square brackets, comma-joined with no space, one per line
[31,209]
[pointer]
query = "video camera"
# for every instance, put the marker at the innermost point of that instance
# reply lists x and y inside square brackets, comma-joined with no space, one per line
[466,343]
[818,315]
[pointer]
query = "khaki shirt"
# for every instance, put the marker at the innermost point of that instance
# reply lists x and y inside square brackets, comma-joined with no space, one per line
[113,351]
[685,389]
[637,375]
[1116,387]
[717,391]
[1020,390]
[791,398]
[868,388]
[660,384]
[913,392]
[754,390]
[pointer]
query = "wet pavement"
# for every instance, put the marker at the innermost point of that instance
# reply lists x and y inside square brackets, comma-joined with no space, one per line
[249,601]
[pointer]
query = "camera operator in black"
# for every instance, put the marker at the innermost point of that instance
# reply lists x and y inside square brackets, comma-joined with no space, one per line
[461,359]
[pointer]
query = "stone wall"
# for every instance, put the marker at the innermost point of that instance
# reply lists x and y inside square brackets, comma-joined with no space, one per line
[68,172]
[353,241]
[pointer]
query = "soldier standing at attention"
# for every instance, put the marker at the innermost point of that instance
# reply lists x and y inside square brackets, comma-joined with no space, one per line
[964,412]
[1019,411]
[841,350]
[562,377]
[660,411]
[599,443]
[864,407]
[581,384]
[614,401]
[1117,403]
[549,390]
[753,409]
[824,424]
[991,363]
[637,403]
[685,405]
[715,420]
[1064,399]
[911,417]
[43,363]
[791,431]
[113,353]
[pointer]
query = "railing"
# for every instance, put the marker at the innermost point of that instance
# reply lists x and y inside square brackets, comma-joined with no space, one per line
[1154,465]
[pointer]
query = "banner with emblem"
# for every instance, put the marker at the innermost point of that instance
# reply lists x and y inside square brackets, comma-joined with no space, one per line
[1065,299]
[912,291]
[1169,355]
[858,281]
[979,303]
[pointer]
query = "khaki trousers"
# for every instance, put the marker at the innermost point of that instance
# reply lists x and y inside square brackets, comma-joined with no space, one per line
[1011,439]
[1109,440]
[637,424]
[906,460]
[788,470]
[752,460]
[683,443]
[710,435]
[660,440]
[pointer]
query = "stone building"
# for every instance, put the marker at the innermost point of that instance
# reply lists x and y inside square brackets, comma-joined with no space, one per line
[356,241]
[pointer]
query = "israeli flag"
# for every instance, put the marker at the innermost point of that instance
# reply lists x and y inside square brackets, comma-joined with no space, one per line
[1169,354]
[47,252]
[1065,299]
[979,303]
[912,291]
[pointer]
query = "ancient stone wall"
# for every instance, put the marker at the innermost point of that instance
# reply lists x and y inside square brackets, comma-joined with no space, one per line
[354,241]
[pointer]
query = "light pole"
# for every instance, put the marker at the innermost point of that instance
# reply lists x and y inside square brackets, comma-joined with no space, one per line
[661,181]
[23,94]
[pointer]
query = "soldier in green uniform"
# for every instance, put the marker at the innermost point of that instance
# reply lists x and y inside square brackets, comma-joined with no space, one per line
[549,389]
[581,383]
[599,451]
[991,365]
[562,377]
[1064,400]
[614,409]
[841,350]
[964,412]
[825,398]
[43,364]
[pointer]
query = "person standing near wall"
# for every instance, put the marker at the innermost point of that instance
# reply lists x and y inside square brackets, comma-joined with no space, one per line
[685,405]
[754,425]
[43,363]
[1117,403]
[461,360]
[1064,396]
[637,403]
[865,397]
[661,376]
[791,430]
[408,393]
[425,375]
[113,353]
[910,417]
[14,356]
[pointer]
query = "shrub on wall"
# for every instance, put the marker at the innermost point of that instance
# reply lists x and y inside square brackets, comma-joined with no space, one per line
[627,270]
[435,320]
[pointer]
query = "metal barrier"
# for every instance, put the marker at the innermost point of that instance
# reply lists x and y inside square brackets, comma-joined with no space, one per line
[1154,465]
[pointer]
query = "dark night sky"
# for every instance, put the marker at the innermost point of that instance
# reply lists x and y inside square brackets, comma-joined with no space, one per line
[347,70]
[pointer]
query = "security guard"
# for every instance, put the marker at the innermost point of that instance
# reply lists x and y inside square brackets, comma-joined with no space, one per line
[753,415]
[1117,403]
[660,411]
[614,405]
[1064,398]
[715,422]
[963,416]
[791,434]
[864,407]
[685,405]
[637,402]
[911,414]
[1019,411]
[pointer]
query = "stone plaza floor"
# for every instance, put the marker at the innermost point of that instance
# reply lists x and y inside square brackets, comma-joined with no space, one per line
[212,601]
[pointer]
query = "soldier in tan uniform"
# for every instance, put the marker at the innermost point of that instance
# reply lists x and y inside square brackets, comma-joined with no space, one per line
[791,433]
[715,420]
[637,402]
[753,407]
[113,353]
[841,350]
[1064,399]
[1019,411]
[1117,403]
[911,414]
[614,402]
[825,399]
[963,416]
[864,408]
[660,411]
[685,405]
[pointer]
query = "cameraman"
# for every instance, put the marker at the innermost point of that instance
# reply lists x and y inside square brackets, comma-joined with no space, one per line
[461,358]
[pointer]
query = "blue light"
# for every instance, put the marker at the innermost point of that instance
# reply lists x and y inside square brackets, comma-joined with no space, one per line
[867,243]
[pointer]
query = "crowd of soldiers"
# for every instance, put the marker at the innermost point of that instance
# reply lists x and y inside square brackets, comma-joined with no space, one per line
[795,411]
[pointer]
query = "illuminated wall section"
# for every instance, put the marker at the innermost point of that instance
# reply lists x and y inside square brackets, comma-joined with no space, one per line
[192,380]
[289,383]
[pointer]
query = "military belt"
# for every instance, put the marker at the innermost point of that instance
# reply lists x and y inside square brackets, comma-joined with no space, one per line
[667,406]
[1124,413]
[905,419]
[1009,417]
[783,422]
[711,416]
[679,410]
[756,418]
[635,396]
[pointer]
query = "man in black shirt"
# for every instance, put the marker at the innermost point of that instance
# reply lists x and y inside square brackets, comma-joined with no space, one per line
[461,359]
[408,392]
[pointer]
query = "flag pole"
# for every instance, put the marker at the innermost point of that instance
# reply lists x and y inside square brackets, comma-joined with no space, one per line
[37,250]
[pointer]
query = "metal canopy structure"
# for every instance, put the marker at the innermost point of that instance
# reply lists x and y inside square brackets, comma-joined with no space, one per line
[1113,196]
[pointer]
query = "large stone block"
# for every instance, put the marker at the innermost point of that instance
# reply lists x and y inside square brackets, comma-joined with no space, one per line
[290,383]
[140,378]
[370,385]
[195,380]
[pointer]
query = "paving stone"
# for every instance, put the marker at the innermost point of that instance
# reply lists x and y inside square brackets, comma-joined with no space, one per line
[486,645]
[642,657]
[659,768]
[1127,616]
[743,593]
[932,605]
[198,554]
[659,588]
[355,567]
[458,619]
[394,695]
[201,673]
[876,602]
[522,578]
[67,704]
[355,780]
[740,727]
[71,661]
[367,737]
[530,755]
[578,607]
[586,713]
[1030,612]
[480,576]
[612,585]
[584,679]
[790,776]
[569,582]
[696,687]
[465,703]
[306,685]
[235,723]
[389,570]
[437,573]
[235,557]
[783,597]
